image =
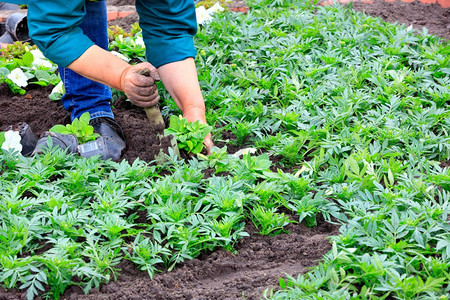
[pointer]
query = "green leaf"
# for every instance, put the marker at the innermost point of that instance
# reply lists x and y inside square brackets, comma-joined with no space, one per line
[311,221]
[391,177]
[4,72]
[2,138]
[28,59]
[354,167]
[55,96]
[42,75]
[198,148]
[190,145]
[60,129]
[282,283]
[85,118]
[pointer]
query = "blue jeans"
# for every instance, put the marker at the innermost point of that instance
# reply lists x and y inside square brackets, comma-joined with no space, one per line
[82,94]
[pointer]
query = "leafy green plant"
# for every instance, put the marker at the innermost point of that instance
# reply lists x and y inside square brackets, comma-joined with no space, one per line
[268,221]
[29,67]
[146,254]
[190,135]
[80,128]
[132,47]
[16,50]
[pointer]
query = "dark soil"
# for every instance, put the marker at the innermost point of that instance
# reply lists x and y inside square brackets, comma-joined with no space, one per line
[432,16]
[125,23]
[259,261]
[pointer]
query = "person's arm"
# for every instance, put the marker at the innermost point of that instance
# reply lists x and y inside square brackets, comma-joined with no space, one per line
[180,80]
[168,28]
[53,27]
[101,66]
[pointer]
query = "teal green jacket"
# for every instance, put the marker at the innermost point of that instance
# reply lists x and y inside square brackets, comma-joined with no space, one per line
[168,27]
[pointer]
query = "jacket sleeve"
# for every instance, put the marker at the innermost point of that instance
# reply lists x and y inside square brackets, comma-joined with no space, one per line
[168,28]
[53,27]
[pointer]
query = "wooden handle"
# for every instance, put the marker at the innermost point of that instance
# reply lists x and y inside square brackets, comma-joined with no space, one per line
[154,115]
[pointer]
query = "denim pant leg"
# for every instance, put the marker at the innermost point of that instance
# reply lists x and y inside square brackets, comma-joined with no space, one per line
[82,94]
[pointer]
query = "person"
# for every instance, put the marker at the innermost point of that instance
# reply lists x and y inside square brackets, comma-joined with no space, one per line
[73,34]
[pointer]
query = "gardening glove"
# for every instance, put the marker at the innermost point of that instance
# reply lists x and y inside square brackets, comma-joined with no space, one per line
[139,88]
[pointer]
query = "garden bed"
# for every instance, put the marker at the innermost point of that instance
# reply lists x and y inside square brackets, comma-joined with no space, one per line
[258,261]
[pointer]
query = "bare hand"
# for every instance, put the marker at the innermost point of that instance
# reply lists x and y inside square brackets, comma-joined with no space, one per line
[208,143]
[139,88]
[193,114]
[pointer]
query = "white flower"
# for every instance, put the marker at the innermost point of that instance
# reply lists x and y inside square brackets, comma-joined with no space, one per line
[18,77]
[244,151]
[139,41]
[215,8]
[202,15]
[12,141]
[59,88]
[37,54]
[39,60]
[120,55]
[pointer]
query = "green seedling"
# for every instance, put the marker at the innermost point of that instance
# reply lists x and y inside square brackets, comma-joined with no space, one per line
[16,50]
[79,127]
[268,221]
[190,135]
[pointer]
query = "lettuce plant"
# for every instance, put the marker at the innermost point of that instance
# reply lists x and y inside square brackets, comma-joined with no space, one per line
[79,128]
[189,135]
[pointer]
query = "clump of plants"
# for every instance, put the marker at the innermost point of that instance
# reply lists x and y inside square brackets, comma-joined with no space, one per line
[23,66]
[16,50]
[79,127]
[210,3]
[190,135]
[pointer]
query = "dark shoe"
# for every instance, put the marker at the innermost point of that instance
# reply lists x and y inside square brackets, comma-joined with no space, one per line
[28,139]
[111,142]
[63,141]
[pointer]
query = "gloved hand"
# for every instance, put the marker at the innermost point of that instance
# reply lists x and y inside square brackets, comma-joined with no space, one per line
[139,88]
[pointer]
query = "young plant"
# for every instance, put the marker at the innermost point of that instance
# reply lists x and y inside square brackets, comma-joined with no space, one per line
[146,254]
[268,221]
[189,135]
[79,128]
[16,50]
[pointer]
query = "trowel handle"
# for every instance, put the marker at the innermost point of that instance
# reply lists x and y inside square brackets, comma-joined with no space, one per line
[146,72]
[154,115]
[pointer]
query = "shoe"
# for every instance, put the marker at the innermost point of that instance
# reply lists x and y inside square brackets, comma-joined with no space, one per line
[111,142]
[63,141]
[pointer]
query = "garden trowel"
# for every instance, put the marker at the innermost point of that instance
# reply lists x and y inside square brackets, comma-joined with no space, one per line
[156,120]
